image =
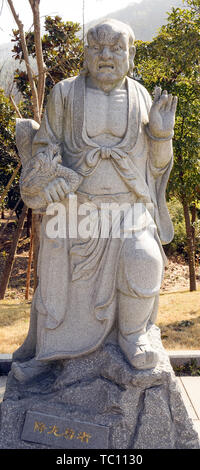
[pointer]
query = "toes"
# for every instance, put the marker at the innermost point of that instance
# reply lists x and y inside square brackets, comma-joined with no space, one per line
[146,360]
[18,372]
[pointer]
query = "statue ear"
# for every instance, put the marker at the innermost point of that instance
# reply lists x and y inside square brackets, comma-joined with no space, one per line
[132,51]
[85,53]
[85,67]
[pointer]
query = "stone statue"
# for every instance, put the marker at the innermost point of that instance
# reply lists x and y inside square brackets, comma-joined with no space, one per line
[103,140]
[92,372]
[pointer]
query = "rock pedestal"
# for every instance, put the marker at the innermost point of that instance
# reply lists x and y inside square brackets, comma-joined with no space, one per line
[98,402]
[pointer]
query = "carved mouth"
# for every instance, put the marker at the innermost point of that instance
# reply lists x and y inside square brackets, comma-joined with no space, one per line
[106,66]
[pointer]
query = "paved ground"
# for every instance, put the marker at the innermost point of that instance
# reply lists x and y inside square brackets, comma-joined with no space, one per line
[189,387]
[190,390]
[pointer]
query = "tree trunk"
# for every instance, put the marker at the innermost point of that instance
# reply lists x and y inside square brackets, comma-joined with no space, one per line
[190,247]
[29,222]
[28,276]
[193,213]
[36,223]
[20,25]
[10,260]
[37,93]
[39,53]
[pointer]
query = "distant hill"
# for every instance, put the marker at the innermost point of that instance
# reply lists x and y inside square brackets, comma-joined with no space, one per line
[5,51]
[145,18]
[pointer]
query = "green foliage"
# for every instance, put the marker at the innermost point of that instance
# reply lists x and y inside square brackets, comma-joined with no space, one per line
[7,122]
[179,242]
[7,141]
[178,246]
[171,61]
[189,368]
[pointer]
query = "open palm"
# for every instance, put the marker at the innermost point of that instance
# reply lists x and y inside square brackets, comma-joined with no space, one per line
[162,114]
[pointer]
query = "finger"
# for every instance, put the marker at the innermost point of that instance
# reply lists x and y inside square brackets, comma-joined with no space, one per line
[169,103]
[47,196]
[60,191]
[157,94]
[163,100]
[53,193]
[64,185]
[174,104]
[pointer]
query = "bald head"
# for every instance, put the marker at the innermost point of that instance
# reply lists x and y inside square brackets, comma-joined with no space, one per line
[110,30]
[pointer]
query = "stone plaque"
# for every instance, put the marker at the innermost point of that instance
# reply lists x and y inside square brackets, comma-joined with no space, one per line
[57,432]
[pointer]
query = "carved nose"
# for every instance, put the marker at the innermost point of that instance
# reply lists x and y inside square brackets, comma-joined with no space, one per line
[106,53]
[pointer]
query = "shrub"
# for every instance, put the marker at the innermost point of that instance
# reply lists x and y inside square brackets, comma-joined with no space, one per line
[179,243]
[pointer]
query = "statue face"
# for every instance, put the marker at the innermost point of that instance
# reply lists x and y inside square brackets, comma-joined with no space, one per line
[108,55]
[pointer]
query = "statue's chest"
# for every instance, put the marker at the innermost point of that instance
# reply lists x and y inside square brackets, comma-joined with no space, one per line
[106,114]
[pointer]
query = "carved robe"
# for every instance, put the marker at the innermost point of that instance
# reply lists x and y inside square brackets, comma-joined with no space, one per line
[76,300]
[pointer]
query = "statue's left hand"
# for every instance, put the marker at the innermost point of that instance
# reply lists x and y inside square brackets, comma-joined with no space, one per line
[162,114]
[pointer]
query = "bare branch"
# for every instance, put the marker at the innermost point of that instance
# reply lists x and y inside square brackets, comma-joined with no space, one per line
[26,58]
[39,54]
[2,3]
[15,106]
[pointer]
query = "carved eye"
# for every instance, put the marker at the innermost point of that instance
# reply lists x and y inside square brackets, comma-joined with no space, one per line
[116,48]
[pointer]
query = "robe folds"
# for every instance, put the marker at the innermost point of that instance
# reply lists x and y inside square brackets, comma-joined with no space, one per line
[76,299]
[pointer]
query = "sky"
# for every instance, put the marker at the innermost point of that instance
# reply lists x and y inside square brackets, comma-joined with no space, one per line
[69,10]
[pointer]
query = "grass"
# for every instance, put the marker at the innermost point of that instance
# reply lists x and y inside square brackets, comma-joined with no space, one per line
[178,319]
[189,368]
[14,323]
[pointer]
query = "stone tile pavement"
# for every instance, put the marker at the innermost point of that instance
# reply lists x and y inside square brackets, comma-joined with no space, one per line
[190,391]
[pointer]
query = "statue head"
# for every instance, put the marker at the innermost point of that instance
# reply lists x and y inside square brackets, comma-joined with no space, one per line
[109,55]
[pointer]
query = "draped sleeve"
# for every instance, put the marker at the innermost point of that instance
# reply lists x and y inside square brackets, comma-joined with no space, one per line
[51,129]
[157,179]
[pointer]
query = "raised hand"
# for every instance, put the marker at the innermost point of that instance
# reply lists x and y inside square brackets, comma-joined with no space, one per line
[162,115]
